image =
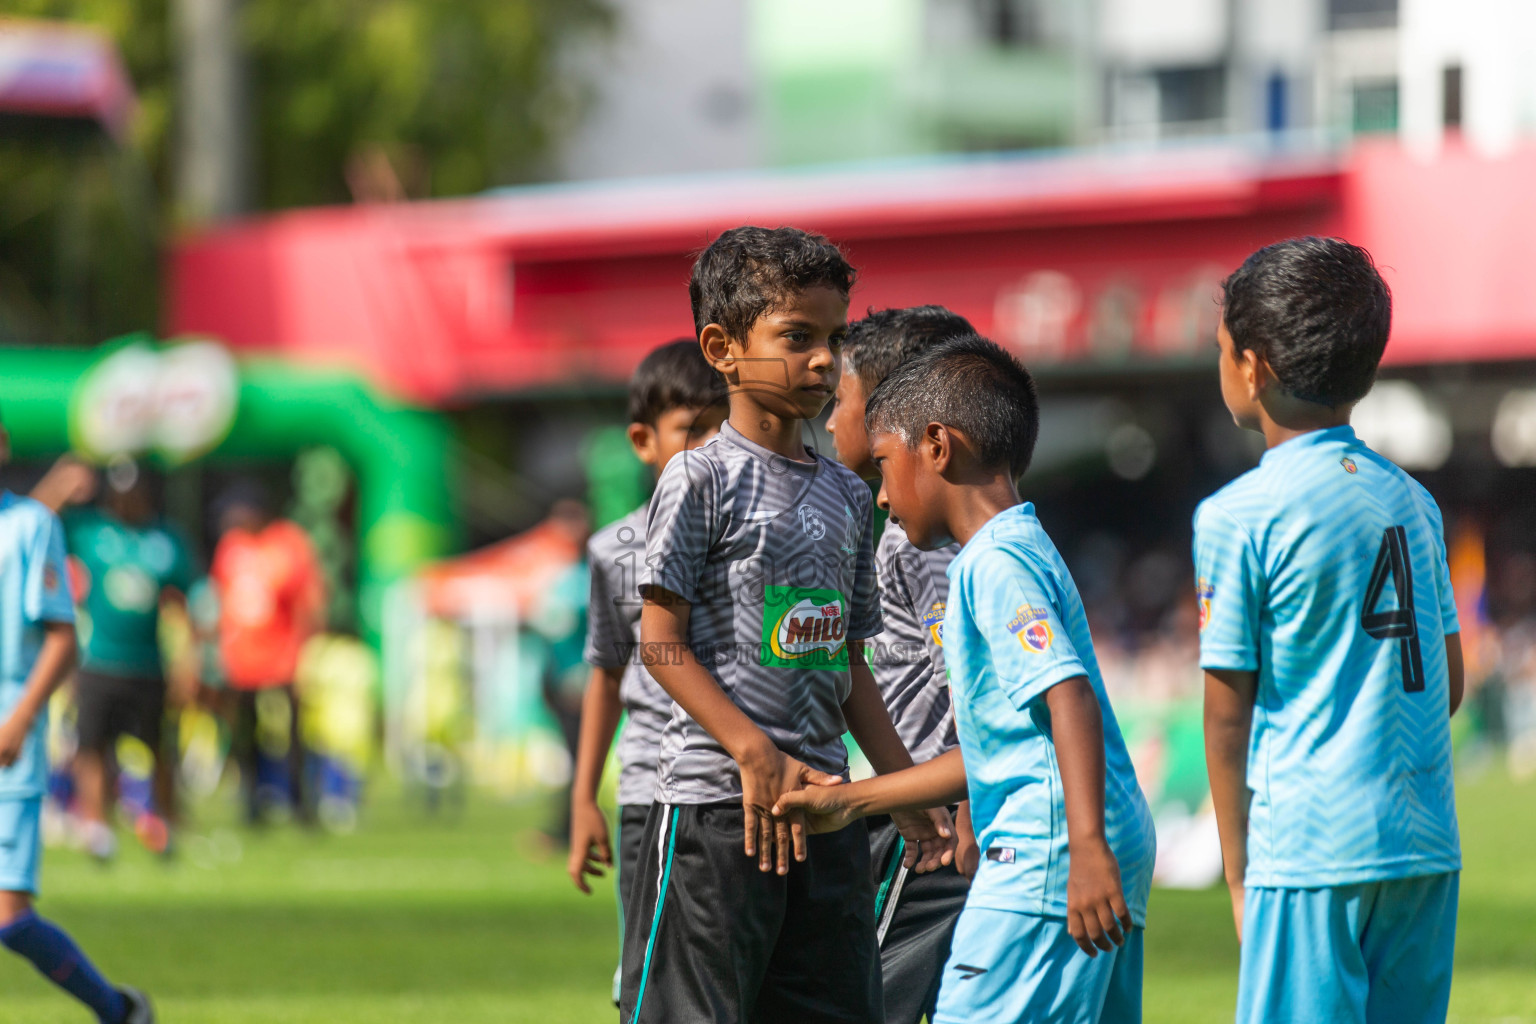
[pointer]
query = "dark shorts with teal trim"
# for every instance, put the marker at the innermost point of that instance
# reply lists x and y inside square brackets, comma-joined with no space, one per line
[709,939]
[915,919]
[632,819]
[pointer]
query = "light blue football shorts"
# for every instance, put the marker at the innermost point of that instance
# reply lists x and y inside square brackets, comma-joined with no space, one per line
[1007,967]
[21,843]
[1375,953]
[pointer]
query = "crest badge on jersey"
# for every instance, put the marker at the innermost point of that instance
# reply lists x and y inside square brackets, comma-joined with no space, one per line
[1349,465]
[813,522]
[1205,592]
[933,619]
[1033,628]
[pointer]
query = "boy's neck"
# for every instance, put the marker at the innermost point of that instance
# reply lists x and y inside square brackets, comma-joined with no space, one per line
[779,434]
[1283,418]
[971,505]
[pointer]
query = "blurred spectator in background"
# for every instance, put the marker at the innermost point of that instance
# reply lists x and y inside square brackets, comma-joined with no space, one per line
[128,566]
[271,600]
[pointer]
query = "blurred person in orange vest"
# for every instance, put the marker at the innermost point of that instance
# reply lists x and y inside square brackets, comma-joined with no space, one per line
[272,599]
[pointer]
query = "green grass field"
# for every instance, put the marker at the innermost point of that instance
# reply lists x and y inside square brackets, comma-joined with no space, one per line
[433,922]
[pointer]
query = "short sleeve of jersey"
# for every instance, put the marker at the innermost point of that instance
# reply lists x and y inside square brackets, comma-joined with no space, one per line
[1450,622]
[865,621]
[610,641]
[1229,584]
[680,526]
[45,592]
[1013,610]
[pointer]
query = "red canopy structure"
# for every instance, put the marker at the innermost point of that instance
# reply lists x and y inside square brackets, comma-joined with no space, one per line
[1077,260]
[58,71]
[511,575]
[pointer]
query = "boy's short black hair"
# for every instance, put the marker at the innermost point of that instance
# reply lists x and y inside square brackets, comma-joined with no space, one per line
[675,375]
[967,383]
[1317,310]
[746,271]
[886,338]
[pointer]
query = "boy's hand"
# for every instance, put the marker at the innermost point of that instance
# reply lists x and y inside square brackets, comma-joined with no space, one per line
[765,778]
[1097,917]
[13,737]
[824,807]
[590,852]
[930,837]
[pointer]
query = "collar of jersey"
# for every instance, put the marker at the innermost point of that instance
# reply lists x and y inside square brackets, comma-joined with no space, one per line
[1001,521]
[736,438]
[1311,439]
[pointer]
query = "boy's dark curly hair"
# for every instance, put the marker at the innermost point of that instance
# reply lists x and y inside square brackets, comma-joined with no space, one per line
[747,271]
[1317,310]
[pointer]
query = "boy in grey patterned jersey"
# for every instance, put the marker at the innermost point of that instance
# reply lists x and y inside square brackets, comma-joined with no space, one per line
[676,402]
[916,914]
[758,585]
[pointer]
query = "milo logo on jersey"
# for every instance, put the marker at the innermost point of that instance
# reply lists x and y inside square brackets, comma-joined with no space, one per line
[1033,628]
[1204,592]
[933,619]
[804,628]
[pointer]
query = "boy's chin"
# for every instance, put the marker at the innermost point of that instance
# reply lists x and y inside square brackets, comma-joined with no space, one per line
[920,539]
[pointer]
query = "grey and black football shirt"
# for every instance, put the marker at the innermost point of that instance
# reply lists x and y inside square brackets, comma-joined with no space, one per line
[777,559]
[615,555]
[908,658]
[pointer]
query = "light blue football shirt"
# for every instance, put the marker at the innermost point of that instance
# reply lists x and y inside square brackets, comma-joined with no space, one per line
[33,590]
[1014,628]
[1324,571]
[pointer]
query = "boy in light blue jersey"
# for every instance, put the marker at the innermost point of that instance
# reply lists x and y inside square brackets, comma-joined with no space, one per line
[37,651]
[1052,927]
[1333,663]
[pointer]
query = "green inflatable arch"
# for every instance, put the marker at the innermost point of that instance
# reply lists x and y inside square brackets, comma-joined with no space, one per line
[400,454]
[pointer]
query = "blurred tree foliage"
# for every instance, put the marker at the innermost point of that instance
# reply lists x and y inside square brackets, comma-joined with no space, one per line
[366,99]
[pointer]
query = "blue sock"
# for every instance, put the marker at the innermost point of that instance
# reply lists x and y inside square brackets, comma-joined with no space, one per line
[55,954]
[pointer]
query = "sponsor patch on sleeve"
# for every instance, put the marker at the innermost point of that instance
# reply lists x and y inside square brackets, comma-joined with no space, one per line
[1033,628]
[1205,592]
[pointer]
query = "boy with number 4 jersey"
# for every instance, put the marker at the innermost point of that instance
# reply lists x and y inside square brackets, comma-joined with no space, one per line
[1333,664]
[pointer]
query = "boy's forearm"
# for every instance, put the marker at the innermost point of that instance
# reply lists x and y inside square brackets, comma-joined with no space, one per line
[869,720]
[600,712]
[1077,732]
[1228,721]
[55,659]
[936,783]
[665,651]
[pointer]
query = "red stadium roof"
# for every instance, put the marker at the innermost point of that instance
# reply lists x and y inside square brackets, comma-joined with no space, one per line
[1090,259]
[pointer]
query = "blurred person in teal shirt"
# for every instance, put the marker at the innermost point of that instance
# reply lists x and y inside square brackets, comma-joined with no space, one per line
[129,565]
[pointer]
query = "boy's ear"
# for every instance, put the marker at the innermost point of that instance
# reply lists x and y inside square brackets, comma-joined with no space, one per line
[716,345]
[642,437]
[937,446]
[1257,373]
